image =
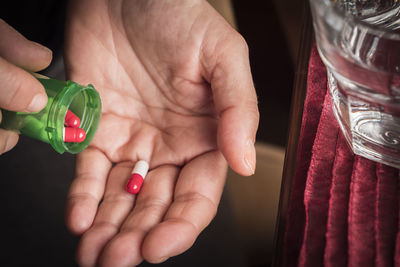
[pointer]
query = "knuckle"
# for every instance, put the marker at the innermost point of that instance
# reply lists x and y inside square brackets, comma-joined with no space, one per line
[14,97]
[240,42]
[153,204]
[17,88]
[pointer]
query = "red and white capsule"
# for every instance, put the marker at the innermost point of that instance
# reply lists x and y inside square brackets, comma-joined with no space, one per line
[73,135]
[137,178]
[71,120]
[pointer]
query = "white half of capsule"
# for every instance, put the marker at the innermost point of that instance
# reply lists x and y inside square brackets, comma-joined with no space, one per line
[141,168]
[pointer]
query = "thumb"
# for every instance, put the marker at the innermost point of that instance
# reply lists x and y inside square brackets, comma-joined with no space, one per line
[236,103]
[19,90]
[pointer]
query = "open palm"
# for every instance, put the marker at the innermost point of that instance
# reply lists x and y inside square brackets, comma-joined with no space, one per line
[177,92]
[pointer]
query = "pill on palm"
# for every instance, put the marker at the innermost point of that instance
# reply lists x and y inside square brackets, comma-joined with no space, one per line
[137,178]
[71,120]
[73,135]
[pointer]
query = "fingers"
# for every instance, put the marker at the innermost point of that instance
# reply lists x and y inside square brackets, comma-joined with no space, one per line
[196,197]
[86,190]
[150,207]
[114,208]
[21,52]
[19,90]
[228,68]
[113,241]
[8,139]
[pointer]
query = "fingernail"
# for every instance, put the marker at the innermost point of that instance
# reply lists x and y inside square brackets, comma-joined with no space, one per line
[38,102]
[250,156]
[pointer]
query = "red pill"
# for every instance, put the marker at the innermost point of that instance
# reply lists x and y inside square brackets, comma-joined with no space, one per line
[73,135]
[137,178]
[71,120]
[134,184]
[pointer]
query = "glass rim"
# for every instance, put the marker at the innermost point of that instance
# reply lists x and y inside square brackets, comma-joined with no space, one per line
[374,29]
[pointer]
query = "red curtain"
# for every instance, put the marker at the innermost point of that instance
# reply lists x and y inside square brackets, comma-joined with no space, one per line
[343,209]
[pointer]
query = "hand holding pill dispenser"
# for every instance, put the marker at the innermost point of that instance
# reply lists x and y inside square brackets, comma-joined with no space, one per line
[68,122]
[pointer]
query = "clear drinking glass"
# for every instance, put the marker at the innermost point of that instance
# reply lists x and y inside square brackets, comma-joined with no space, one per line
[359,42]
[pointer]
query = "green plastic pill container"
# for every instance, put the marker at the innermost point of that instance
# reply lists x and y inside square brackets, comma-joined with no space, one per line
[47,125]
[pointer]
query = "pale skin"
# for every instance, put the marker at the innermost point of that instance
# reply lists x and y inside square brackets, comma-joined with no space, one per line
[177,91]
[19,90]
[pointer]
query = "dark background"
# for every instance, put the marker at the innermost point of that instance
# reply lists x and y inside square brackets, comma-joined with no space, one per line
[35,179]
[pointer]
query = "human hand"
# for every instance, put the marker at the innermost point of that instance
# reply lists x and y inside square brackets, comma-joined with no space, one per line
[177,91]
[19,90]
